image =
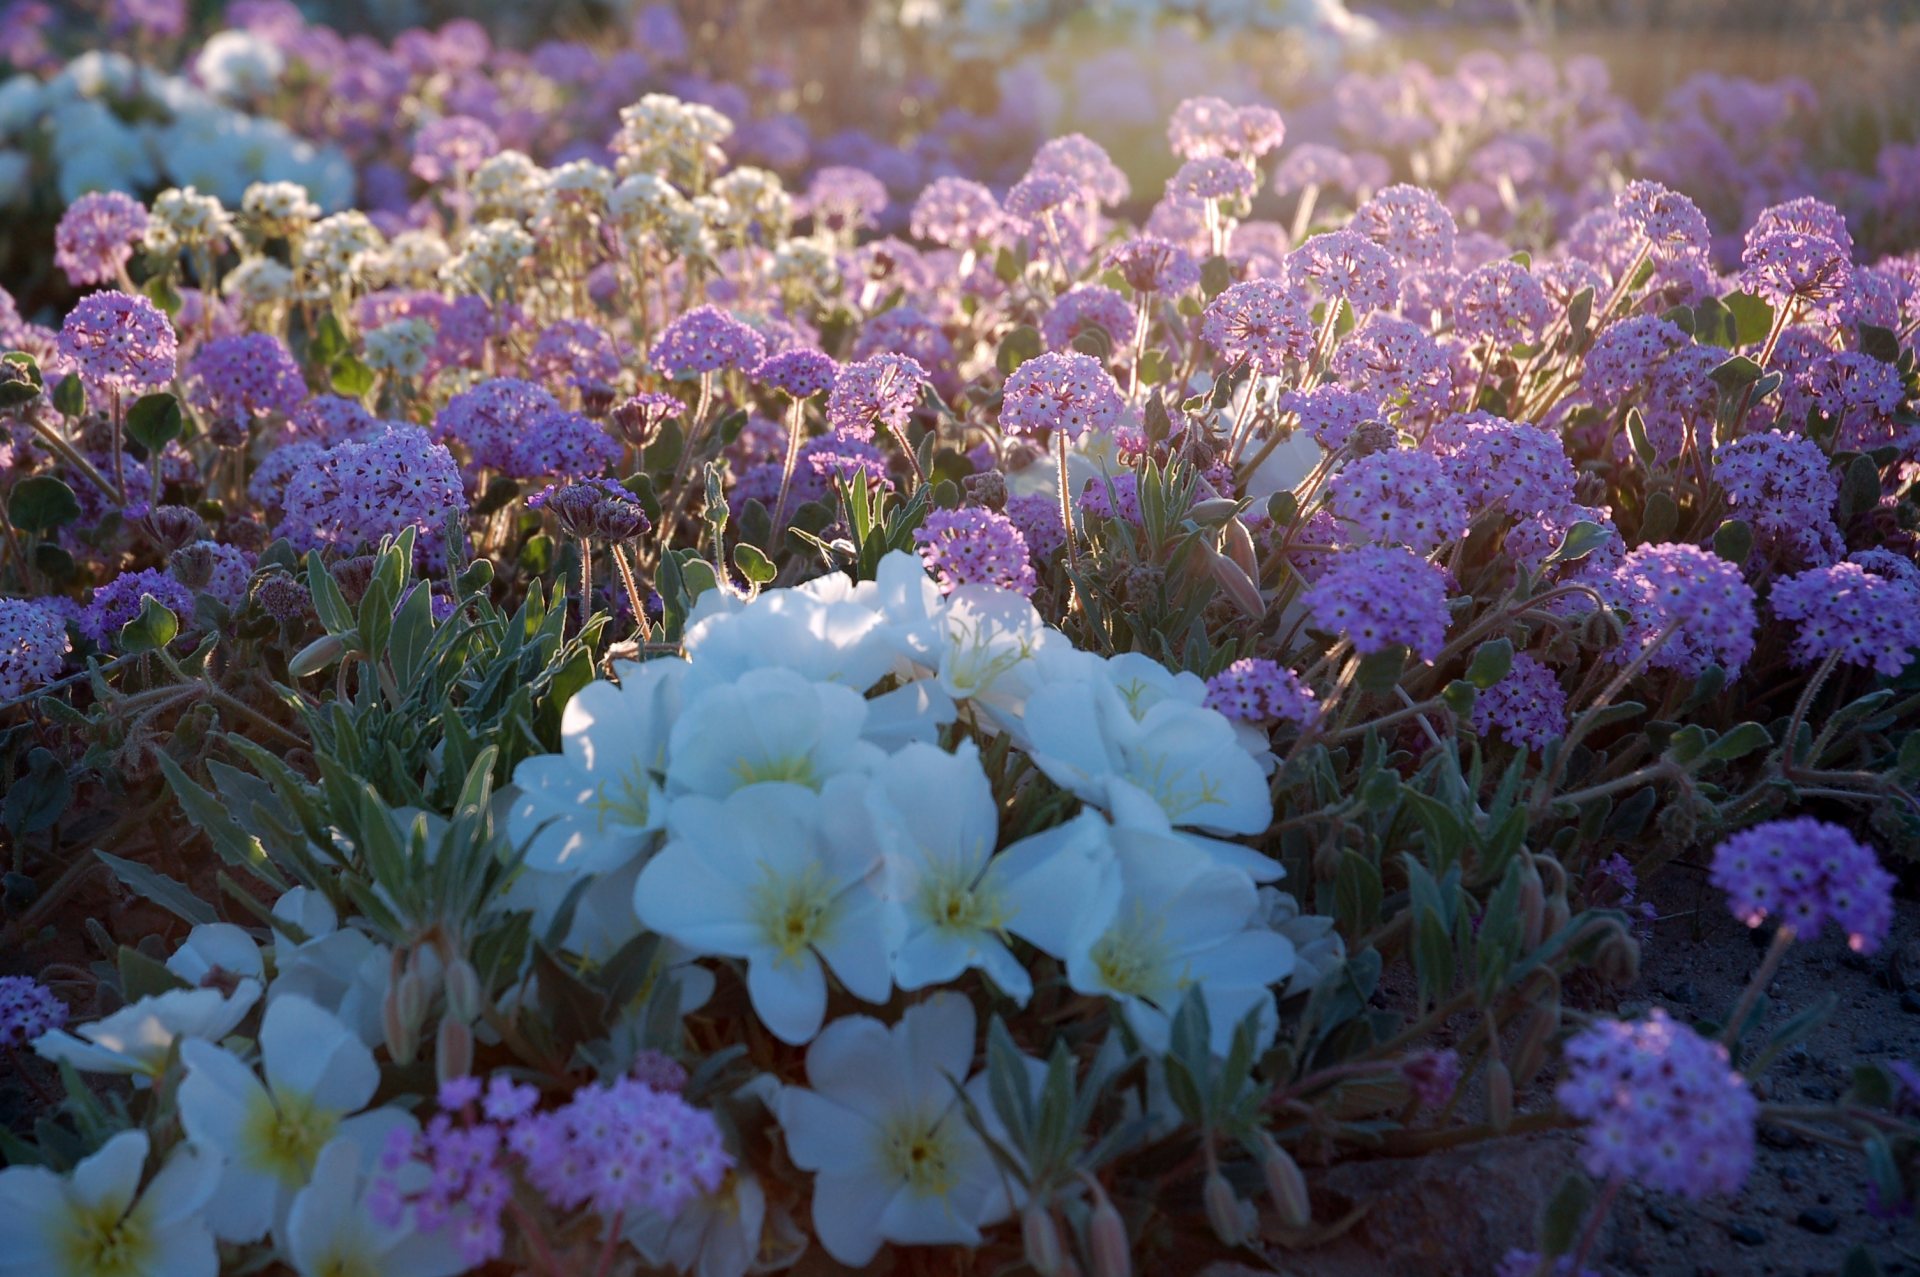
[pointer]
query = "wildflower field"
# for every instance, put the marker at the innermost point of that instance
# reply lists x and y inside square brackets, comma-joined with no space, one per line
[954,639]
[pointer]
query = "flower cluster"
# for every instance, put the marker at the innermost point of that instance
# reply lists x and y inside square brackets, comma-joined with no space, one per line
[1804,873]
[975,547]
[33,646]
[28,1009]
[1261,691]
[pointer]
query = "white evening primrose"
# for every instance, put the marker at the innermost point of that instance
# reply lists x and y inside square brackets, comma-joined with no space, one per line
[96,1222]
[319,1076]
[937,823]
[217,952]
[1162,919]
[597,803]
[768,725]
[781,877]
[138,1039]
[1174,764]
[330,1232]
[881,1126]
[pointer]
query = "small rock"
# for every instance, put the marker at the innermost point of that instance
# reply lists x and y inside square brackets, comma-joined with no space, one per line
[1872,1046]
[1660,1213]
[1910,1002]
[1747,1235]
[1817,1219]
[1684,993]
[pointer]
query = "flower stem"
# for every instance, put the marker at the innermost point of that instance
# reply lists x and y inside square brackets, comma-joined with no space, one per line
[1782,941]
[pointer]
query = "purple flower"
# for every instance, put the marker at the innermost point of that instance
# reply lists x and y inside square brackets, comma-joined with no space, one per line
[801,373]
[576,351]
[1399,498]
[1084,163]
[241,377]
[1086,306]
[1792,266]
[1411,223]
[1259,322]
[1805,216]
[1313,164]
[1111,496]
[1624,356]
[1689,608]
[706,340]
[27,1010]
[1662,1105]
[1432,1077]
[33,646]
[1255,690]
[454,145]
[883,389]
[1330,413]
[973,546]
[120,342]
[356,493]
[569,445]
[623,1149]
[1390,358]
[1851,614]
[1671,222]
[1037,515]
[1503,464]
[1152,265]
[1039,194]
[1527,707]
[1212,177]
[1347,265]
[1067,392]
[1377,596]
[120,601]
[491,416]
[1805,873]
[1526,1263]
[1785,486]
[842,198]
[1503,303]
[956,213]
[95,237]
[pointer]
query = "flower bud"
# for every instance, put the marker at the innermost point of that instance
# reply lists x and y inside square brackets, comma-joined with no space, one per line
[988,488]
[410,995]
[452,1050]
[174,526]
[1543,1019]
[1533,906]
[401,1039]
[192,565]
[463,989]
[1238,544]
[1236,585]
[1618,959]
[1223,1210]
[1285,1184]
[1499,1096]
[1108,1249]
[316,656]
[1040,1240]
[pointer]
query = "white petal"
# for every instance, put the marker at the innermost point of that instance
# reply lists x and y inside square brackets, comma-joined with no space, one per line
[309,1052]
[846,1215]
[789,995]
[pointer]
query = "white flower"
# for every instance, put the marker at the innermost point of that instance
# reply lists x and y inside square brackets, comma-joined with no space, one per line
[96,1222]
[1174,763]
[768,725]
[215,948]
[239,64]
[936,821]
[596,804]
[329,1232]
[138,1038]
[400,347]
[714,1236]
[827,630]
[339,969]
[881,1127]
[319,1075]
[1158,918]
[777,875]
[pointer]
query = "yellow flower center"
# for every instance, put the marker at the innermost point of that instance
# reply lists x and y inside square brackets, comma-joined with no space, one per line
[284,1133]
[623,799]
[101,1242]
[953,902]
[792,912]
[793,769]
[1133,958]
[918,1151]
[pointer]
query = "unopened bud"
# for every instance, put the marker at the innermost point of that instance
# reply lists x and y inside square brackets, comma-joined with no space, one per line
[173,526]
[452,1050]
[1618,959]
[1285,1184]
[1236,585]
[1533,906]
[596,396]
[987,489]
[402,1040]
[1223,1210]
[410,994]
[463,989]
[1108,1249]
[1238,544]
[316,656]
[1542,1021]
[1040,1240]
[192,565]
[1499,1096]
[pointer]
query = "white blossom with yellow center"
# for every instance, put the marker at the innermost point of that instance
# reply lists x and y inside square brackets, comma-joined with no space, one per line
[782,877]
[330,1233]
[319,1075]
[881,1127]
[96,1222]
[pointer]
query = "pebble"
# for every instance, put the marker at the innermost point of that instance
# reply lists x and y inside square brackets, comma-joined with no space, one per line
[1661,1214]
[1746,1235]
[1816,1219]
[1683,993]
[1910,1002]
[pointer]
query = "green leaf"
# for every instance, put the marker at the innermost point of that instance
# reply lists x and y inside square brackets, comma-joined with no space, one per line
[699,576]
[1738,743]
[153,629]
[1356,893]
[144,977]
[1580,314]
[1752,318]
[1733,541]
[1735,373]
[1460,697]
[1283,508]
[1637,435]
[1156,368]
[1017,347]
[1491,663]
[154,421]
[1566,1213]
[1860,490]
[753,563]
[1580,540]
[1660,518]
[1381,670]
[36,800]
[169,894]
[161,292]
[70,397]
[1216,276]
[351,377]
[329,341]
[41,503]
[1880,343]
